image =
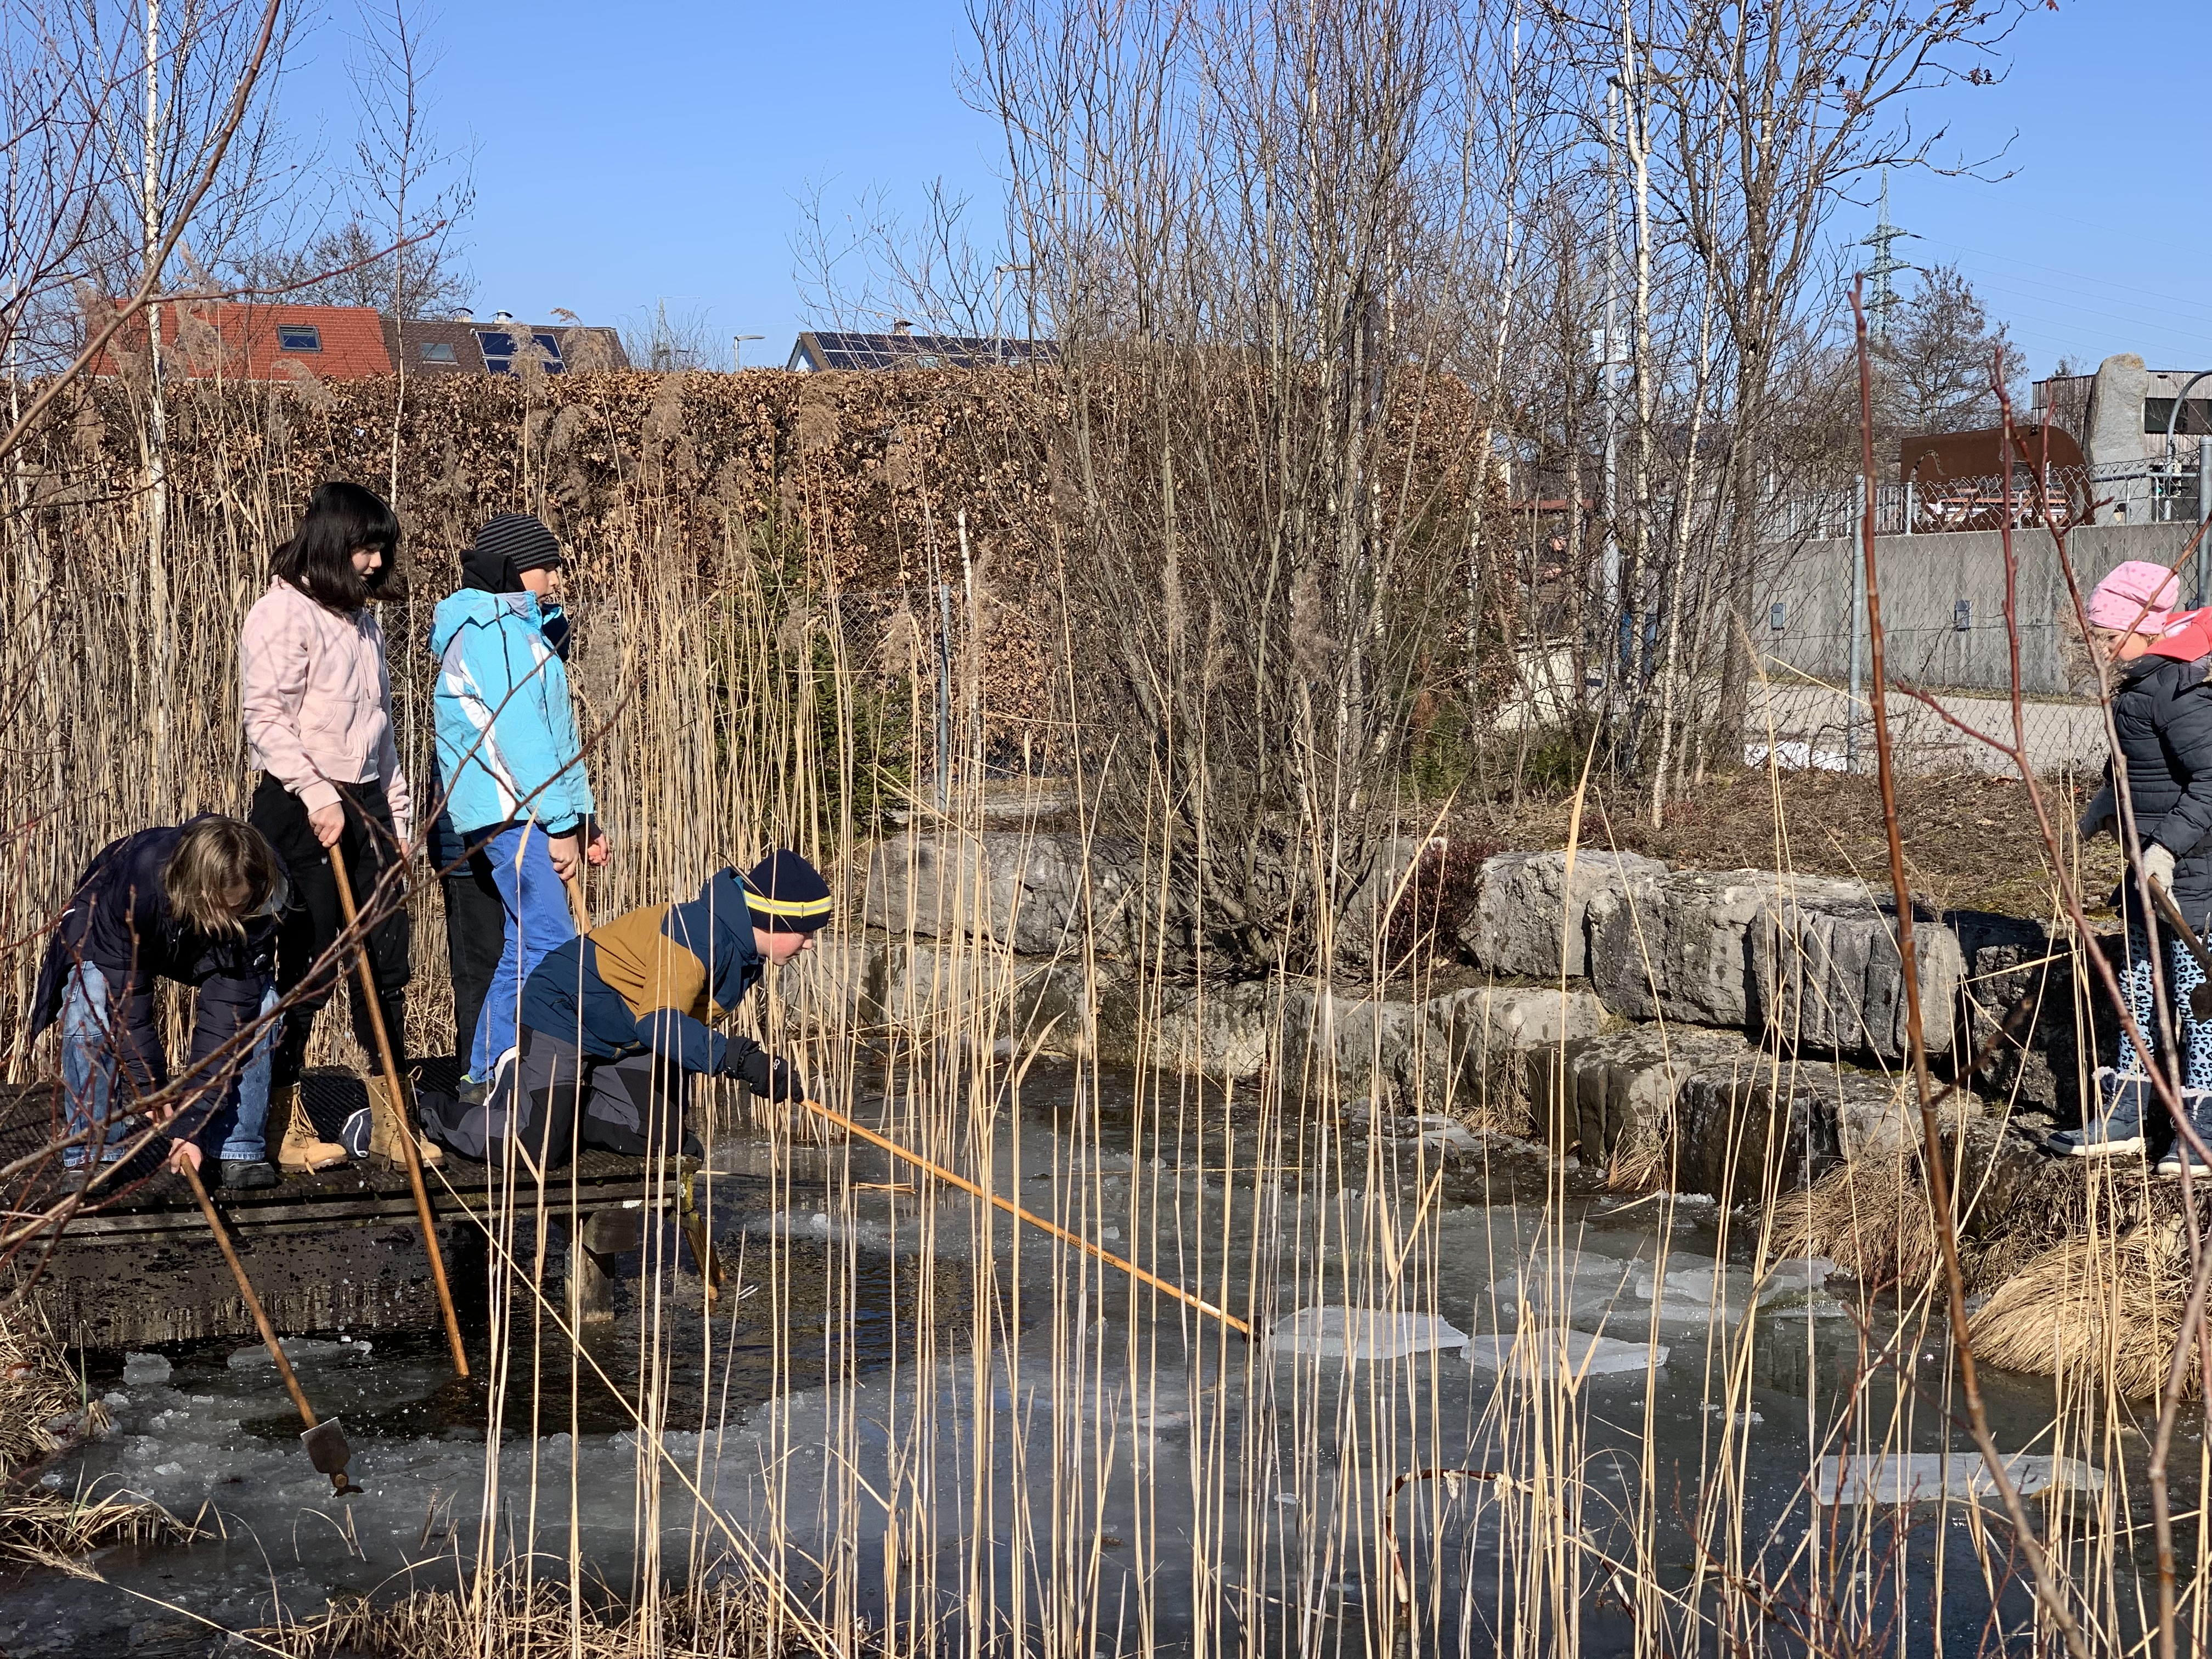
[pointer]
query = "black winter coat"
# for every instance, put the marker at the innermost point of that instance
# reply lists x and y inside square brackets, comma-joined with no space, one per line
[2162,720]
[119,922]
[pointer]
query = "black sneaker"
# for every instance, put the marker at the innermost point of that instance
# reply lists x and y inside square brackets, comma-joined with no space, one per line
[247,1173]
[2117,1129]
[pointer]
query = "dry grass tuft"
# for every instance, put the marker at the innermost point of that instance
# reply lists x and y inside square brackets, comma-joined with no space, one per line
[57,1530]
[44,1408]
[1870,1216]
[2097,1312]
[44,1405]
[729,1618]
[1641,1163]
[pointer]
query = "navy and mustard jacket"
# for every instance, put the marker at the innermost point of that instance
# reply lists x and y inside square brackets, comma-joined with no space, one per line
[655,979]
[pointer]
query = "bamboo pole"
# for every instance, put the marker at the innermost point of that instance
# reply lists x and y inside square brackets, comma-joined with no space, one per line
[1015,1210]
[414,1159]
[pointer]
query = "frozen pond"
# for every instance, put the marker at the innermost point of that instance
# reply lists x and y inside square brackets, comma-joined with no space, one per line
[1552,1404]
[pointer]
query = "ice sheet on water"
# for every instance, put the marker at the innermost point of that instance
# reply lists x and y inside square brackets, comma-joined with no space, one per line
[139,1370]
[1541,1350]
[1892,1479]
[300,1350]
[1361,1333]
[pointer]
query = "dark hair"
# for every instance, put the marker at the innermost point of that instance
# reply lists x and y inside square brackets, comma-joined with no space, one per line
[318,559]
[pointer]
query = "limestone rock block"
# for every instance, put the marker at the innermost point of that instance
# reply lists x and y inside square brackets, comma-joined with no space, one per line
[2023,1001]
[1617,1098]
[1466,1052]
[1826,976]
[1225,1030]
[1485,1038]
[945,990]
[1040,894]
[1531,918]
[1681,948]
[1750,1129]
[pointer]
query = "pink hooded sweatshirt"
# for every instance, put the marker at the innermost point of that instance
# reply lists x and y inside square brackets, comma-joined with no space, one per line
[318,701]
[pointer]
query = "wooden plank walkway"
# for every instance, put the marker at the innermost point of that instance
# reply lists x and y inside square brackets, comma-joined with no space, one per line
[338,1251]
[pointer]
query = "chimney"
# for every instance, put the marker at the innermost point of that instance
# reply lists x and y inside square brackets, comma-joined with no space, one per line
[463,315]
[502,316]
[902,327]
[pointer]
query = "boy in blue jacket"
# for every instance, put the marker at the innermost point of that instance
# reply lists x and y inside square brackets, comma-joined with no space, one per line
[616,1022]
[508,750]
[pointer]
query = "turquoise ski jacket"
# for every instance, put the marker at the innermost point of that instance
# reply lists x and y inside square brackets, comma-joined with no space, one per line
[508,749]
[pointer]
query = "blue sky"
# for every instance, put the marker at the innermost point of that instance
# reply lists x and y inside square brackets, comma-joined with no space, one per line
[658,150]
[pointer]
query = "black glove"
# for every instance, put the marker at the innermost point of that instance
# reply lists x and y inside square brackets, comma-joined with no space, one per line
[766,1076]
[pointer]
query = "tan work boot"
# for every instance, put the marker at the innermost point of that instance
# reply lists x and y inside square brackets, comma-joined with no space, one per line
[392,1115]
[301,1151]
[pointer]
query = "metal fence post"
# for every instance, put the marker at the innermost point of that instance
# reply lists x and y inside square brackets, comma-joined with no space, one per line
[2203,512]
[1853,712]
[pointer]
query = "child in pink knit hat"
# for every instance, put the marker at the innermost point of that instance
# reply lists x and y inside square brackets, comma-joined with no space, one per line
[2161,721]
[2131,608]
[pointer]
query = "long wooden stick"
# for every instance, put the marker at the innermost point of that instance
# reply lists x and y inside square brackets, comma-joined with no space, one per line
[1020,1214]
[192,1175]
[414,1160]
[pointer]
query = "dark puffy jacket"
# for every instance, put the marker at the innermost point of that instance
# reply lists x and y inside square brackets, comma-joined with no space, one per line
[655,978]
[119,922]
[2162,720]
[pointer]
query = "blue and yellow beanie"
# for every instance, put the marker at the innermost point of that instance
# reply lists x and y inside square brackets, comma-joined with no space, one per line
[786,894]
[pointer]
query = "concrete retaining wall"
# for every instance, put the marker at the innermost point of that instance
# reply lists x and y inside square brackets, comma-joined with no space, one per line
[1924,580]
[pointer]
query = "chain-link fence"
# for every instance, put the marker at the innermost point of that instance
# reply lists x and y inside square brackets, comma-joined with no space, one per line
[1804,718]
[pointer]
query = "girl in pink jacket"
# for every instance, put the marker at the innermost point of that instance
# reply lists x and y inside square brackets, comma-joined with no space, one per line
[318,706]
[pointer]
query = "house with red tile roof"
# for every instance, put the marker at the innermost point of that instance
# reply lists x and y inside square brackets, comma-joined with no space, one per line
[241,340]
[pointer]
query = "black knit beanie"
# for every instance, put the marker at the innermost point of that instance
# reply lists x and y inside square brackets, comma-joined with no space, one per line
[510,545]
[786,894]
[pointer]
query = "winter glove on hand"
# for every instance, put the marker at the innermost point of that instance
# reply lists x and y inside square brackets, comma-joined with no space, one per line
[2158,865]
[2095,822]
[769,1078]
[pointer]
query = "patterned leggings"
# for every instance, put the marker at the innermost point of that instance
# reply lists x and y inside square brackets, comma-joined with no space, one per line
[2182,975]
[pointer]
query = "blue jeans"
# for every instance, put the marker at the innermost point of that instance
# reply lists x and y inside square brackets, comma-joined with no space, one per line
[538,923]
[94,1046]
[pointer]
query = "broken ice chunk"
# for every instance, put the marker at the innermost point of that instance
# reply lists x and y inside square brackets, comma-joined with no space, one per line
[1892,1478]
[140,1369]
[1541,1351]
[1366,1334]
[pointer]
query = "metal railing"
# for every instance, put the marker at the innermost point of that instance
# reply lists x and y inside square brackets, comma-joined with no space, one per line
[2154,489]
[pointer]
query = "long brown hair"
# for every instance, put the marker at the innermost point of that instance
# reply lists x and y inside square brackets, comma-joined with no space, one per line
[216,856]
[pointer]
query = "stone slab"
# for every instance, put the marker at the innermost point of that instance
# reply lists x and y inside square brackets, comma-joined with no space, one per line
[1531,912]
[1680,949]
[1826,976]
